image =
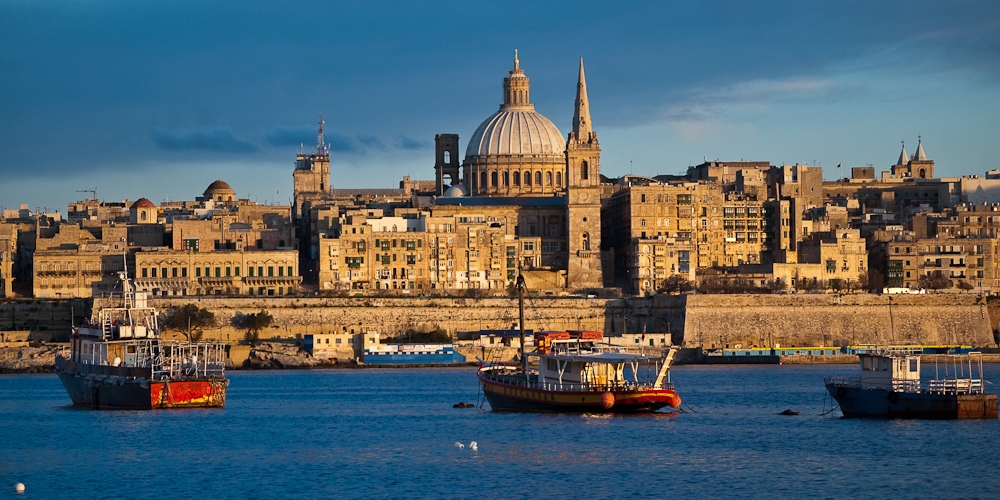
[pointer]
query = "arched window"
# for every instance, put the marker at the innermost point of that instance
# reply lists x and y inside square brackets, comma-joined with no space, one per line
[584,174]
[506,179]
[548,178]
[142,215]
[923,174]
[482,180]
[517,178]
[538,178]
[493,179]
[394,228]
[447,157]
[585,242]
[558,178]
[527,178]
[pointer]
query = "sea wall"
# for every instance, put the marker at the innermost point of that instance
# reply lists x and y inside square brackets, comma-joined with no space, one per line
[836,320]
[692,320]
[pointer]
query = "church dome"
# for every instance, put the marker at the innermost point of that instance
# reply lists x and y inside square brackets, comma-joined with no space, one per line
[516,151]
[219,191]
[143,203]
[516,132]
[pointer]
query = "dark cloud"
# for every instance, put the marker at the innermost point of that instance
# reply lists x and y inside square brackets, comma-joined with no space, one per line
[291,136]
[217,139]
[407,143]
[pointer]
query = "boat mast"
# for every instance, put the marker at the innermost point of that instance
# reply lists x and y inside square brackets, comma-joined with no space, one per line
[520,308]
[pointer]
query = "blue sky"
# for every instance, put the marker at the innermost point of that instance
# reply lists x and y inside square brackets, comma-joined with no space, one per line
[159,99]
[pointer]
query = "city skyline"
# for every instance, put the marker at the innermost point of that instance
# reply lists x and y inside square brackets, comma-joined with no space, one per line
[158,101]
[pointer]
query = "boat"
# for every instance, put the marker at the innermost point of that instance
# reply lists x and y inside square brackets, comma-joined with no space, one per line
[574,371]
[120,361]
[890,386]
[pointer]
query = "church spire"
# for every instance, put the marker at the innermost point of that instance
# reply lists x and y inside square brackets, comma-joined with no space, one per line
[581,117]
[903,157]
[920,155]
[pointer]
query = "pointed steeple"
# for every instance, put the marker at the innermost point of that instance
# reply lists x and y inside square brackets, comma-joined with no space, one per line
[903,157]
[581,117]
[920,156]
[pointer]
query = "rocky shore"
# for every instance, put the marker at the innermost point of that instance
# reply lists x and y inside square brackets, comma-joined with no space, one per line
[30,359]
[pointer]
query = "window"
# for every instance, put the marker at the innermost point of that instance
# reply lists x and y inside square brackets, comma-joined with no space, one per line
[528,246]
[585,242]
[506,179]
[482,180]
[538,178]
[584,171]
[493,179]
[517,178]
[558,178]
[548,178]
[527,178]
[270,270]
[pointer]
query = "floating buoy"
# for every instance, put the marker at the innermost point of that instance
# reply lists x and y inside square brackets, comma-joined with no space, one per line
[674,401]
[474,446]
[19,488]
[607,400]
[459,445]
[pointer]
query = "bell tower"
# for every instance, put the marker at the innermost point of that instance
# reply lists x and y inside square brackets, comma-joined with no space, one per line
[312,174]
[583,174]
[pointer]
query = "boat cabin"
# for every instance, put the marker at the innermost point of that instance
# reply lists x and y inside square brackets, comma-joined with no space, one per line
[894,372]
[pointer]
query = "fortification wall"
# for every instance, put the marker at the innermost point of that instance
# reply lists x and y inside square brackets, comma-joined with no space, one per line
[813,320]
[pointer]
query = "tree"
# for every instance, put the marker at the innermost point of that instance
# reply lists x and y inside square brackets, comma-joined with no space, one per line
[872,281]
[935,281]
[964,285]
[676,283]
[253,323]
[191,320]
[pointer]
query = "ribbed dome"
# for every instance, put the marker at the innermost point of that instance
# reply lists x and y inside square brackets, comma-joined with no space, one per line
[516,132]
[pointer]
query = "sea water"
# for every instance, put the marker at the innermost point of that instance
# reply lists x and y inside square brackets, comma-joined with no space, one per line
[391,433]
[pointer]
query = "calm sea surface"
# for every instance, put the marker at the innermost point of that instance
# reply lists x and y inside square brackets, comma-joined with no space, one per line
[381,433]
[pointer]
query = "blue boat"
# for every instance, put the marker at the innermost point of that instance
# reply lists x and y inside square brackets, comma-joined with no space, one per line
[407,354]
[890,386]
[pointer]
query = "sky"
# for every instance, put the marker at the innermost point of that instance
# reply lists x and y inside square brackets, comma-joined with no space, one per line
[155,99]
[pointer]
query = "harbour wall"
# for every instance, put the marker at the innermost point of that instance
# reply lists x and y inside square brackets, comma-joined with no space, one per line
[707,321]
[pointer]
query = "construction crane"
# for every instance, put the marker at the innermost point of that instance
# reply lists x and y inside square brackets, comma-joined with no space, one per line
[93,192]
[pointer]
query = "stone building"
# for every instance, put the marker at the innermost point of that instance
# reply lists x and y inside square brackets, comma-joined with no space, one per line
[8,255]
[520,185]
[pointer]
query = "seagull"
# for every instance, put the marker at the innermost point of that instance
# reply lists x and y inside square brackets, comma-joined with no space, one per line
[459,445]
[474,446]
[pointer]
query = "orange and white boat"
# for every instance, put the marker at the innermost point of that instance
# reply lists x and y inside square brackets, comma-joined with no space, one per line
[574,371]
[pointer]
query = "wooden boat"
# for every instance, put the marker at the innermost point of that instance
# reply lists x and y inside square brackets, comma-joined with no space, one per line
[575,372]
[890,386]
[120,362]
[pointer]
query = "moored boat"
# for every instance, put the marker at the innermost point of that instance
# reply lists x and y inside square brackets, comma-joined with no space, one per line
[890,386]
[575,372]
[120,361]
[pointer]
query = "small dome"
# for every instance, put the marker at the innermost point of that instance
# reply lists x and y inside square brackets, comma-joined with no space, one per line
[219,186]
[219,191]
[143,203]
[456,191]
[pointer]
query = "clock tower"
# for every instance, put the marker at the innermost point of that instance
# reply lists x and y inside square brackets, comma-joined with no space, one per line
[583,211]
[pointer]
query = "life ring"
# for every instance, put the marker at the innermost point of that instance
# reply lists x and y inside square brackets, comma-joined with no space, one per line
[841,391]
[893,397]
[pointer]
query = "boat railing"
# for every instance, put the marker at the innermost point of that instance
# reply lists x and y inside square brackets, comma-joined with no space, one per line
[197,360]
[956,386]
[515,378]
[898,385]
